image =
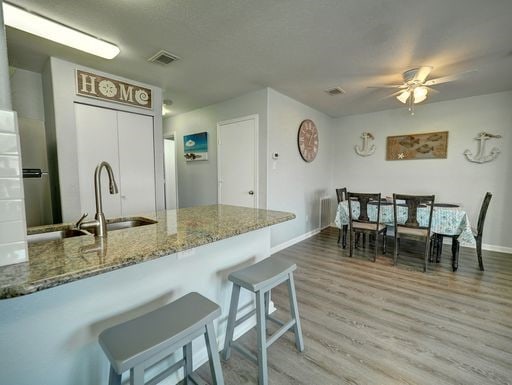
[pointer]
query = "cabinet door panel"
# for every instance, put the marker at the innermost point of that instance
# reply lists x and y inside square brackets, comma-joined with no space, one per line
[97,141]
[137,163]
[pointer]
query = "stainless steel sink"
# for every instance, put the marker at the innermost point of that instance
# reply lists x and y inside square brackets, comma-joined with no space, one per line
[129,223]
[55,235]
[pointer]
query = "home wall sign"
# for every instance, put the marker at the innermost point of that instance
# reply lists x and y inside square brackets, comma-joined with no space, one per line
[101,87]
[432,145]
[481,157]
[366,149]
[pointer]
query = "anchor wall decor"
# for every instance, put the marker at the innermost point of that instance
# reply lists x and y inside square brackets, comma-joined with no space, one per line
[481,157]
[366,149]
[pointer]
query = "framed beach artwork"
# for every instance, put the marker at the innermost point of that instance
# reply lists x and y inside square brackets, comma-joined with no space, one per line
[432,145]
[196,146]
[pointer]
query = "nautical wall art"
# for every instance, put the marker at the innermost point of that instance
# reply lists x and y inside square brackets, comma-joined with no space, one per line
[366,149]
[195,146]
[101,87]
[432,145]
[481,156]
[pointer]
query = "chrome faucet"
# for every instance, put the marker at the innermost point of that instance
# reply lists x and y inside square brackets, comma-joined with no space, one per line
[99,223]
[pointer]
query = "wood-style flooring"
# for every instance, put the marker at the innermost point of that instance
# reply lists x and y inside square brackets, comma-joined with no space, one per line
[371,323]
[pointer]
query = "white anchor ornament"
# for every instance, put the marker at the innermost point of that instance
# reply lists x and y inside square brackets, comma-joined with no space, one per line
[481,157]
[366,149]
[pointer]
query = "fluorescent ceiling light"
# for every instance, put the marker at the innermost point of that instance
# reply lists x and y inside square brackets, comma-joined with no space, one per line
[37,25]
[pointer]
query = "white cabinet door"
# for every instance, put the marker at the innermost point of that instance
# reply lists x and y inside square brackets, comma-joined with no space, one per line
[137,163]
[97,141]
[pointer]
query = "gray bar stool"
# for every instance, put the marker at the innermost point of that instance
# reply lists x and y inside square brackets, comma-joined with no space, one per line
[260,278]
[141,342]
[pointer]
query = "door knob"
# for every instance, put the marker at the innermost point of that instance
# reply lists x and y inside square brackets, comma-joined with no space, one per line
[251,192]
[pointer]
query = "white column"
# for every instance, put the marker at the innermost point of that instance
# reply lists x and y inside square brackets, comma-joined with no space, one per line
[5,89]
[13,245]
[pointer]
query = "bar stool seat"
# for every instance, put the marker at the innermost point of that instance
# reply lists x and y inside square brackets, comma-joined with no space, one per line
[141,342]
[260,278]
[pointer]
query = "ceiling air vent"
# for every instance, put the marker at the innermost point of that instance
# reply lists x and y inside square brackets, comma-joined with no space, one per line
[335,91]
[163,57]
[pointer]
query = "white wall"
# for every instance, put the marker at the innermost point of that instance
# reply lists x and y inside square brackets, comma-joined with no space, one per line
[27,101]
[197,181]
[27,94]
[59,88]
[453,179]
[170,174]
[293,184]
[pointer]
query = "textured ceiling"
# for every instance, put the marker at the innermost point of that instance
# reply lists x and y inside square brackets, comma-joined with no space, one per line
[298,47]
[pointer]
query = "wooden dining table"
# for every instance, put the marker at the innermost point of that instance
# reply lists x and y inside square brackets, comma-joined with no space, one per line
[447,219]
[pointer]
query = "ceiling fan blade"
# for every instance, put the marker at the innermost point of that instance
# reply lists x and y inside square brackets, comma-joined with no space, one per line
[432,90]
[446,79]
[395,94]
[389,86]
[422,74]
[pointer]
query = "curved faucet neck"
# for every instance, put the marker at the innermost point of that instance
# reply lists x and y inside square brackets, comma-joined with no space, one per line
[97,192]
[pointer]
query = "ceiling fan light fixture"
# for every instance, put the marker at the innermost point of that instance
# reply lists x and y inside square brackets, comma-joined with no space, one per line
[404,96]
[34,24]
[420,94]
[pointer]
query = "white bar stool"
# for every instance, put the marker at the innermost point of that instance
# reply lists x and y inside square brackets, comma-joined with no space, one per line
[141,342]
[260,278]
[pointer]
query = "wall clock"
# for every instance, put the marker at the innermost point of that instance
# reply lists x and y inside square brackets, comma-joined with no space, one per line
[307,139]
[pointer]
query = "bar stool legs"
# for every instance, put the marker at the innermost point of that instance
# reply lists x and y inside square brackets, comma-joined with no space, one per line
[261,331]
[213,355]
[235,295]
[299,342]
[260,279]
[113,377]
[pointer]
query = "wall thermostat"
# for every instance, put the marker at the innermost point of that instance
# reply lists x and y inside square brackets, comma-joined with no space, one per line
[275,155]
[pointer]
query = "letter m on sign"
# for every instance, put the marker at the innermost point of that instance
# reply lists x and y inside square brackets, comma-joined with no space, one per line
[126,93]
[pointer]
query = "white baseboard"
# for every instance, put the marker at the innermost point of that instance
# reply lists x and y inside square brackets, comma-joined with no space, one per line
[293,241]
[501,249]
[485,246]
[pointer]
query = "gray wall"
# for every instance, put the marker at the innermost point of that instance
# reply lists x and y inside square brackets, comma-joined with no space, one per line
[27,94]
[453,179]
[293,184]
[27,101]
[197,181]
[61,124]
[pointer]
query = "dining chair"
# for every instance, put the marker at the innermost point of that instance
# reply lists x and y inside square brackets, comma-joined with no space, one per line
[411,227]
[477,233]
[341,195]
[362,224]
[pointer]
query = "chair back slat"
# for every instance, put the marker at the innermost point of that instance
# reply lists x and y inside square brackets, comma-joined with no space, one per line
[413,202]
[341,194]
[483,213]
[363,199]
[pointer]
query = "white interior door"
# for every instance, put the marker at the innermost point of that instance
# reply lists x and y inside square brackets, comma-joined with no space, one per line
[96,130]
[238,161]
[137,163]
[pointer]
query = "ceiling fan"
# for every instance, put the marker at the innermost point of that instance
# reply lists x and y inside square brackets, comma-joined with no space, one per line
[416,87]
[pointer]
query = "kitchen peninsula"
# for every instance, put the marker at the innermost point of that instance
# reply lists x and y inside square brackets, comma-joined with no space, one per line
[72,289]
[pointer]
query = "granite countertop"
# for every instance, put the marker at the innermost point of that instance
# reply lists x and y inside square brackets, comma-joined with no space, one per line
[57,262]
